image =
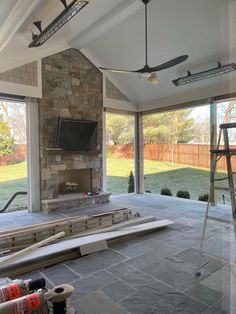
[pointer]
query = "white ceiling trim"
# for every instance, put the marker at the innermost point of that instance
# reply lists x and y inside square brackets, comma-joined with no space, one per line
[110,77]
[15,20]
[35,55]
[119,14]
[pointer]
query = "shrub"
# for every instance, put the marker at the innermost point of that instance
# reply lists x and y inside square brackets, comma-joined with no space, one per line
[203,197]
[166,191]
[108,152]
[183,194]
[131,182]
[6,140]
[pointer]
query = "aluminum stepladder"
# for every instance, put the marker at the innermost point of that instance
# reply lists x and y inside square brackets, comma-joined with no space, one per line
[217,154]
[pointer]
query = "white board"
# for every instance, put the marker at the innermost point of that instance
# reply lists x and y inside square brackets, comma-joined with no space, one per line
[67,245]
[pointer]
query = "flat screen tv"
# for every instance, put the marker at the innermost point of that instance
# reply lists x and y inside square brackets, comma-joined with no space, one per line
[77,135]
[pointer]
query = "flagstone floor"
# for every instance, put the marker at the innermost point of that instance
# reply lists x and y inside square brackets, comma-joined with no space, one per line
[154,273]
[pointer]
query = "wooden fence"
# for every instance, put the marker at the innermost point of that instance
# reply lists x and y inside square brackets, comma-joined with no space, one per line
[196,155]
[19,154]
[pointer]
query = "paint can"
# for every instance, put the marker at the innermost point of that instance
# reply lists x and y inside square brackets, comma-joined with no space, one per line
[33,303]
[19,288]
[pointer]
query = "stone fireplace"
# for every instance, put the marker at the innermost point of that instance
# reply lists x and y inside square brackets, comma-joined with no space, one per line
[72,88]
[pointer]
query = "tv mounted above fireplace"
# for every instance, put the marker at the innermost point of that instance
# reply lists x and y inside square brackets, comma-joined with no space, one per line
[77,135]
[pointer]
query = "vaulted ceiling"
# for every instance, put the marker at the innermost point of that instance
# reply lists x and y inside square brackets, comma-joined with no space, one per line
[111,34]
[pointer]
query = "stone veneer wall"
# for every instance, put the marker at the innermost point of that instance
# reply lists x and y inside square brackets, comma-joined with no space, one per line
[72,88]
[26,75]
[113,92]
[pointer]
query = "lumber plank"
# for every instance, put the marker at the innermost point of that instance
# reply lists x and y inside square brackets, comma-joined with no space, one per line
[20,237]
[59,221]
[14,257]
[63,246]
[118,226]
[94,247]
[71,253]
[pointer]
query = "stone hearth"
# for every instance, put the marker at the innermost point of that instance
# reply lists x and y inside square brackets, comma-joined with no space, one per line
[74,201]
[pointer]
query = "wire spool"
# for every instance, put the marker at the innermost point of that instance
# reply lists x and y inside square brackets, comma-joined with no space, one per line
[19,288]
[34,303]
[58,297]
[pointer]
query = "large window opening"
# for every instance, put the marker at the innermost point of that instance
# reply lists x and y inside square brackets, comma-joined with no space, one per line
[13,153]
[176,152]
[120,153]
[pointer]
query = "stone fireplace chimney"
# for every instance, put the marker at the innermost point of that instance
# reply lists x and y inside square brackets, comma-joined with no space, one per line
[72,86]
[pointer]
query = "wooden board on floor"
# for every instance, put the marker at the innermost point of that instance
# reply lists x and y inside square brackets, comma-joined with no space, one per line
[117,226]
[55,258]
[23,237]
[67,245]
[93,247]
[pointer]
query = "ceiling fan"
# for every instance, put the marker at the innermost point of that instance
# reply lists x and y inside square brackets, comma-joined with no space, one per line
[147,71]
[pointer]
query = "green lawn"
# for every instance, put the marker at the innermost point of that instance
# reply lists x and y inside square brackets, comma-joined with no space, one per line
[13,178]
[158,175]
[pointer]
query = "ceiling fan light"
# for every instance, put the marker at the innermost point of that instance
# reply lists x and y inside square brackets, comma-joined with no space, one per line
[153,79]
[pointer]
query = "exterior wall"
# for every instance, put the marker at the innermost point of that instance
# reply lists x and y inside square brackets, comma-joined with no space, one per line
[114,99]
[113,92]
[25,75]
[72,88]
[24,81]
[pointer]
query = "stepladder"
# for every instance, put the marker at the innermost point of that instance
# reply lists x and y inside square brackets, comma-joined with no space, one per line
[226,151]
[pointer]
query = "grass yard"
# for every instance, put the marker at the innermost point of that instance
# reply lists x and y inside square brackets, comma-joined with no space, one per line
[158,175]
[13,178]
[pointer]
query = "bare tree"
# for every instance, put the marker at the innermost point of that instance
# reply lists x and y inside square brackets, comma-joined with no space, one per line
[14,114]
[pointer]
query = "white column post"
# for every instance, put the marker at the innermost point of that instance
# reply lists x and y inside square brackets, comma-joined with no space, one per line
[138,153]
[104,158]
[33,160]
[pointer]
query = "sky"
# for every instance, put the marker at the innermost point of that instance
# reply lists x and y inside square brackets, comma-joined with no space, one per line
[200,113]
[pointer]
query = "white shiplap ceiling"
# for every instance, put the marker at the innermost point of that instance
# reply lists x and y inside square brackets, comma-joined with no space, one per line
[111,34]
[197,28]
[6,7]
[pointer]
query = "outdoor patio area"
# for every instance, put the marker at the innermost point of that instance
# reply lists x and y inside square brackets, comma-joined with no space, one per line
[154,273]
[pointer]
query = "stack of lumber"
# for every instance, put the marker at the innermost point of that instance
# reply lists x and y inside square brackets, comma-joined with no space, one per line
[20,238]
[83,244]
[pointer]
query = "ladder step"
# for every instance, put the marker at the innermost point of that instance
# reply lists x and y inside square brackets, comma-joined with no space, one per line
[221,179]
[218,188]
[221,220]
[231,151]
[228,125]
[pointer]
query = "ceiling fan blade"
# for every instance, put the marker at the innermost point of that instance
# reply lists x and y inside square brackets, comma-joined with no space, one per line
[169,64]
[117,70]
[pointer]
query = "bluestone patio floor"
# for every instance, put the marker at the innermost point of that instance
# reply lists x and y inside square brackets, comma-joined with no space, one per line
[154,273]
